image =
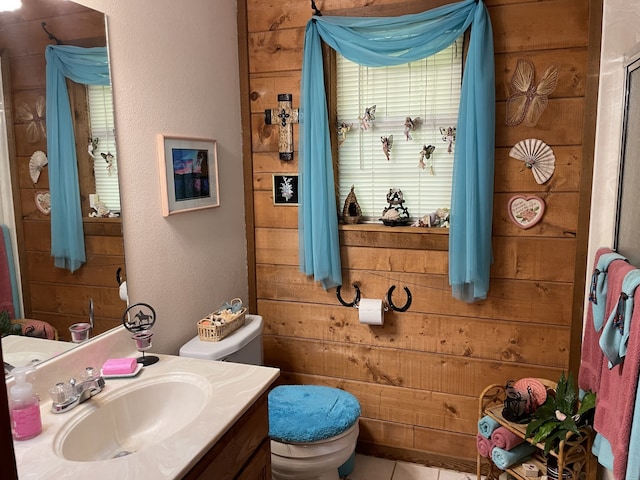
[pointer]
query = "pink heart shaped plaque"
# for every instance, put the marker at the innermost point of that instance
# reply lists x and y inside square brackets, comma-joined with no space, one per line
[43,202]
[525,212]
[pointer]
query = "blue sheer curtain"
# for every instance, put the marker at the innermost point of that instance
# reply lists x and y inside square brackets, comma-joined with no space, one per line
[379,42]
[89,66]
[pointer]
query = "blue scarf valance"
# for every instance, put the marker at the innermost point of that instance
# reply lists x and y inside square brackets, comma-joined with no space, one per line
[89,66]
[376,42]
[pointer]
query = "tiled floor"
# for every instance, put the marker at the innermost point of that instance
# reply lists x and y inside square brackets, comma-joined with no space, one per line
[373,468]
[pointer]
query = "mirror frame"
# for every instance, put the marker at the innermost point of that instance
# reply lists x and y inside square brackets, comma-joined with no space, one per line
[627,232]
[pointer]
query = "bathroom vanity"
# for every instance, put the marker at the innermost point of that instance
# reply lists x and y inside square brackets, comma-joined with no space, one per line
[243,452]
[180,418]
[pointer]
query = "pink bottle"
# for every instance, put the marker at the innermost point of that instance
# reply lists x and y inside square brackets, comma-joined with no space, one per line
[24,407]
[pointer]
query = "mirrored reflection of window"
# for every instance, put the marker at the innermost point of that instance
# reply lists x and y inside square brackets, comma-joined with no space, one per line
[416,103]
[103,134]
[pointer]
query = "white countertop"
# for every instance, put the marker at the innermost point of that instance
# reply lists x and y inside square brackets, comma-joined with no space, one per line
[232,389]
[20,351]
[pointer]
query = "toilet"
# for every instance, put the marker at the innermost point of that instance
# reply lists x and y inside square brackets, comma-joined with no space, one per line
[313,429]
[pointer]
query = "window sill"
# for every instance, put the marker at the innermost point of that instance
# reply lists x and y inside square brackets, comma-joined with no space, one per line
[381,236]
[102,227]
[102,220]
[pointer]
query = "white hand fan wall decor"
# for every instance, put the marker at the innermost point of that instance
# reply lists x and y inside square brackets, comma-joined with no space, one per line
[37,162]
[537,156]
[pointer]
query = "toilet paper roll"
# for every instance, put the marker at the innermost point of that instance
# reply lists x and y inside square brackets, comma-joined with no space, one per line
[124,296]
[371,311]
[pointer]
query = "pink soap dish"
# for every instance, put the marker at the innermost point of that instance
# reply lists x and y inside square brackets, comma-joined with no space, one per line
[124,375]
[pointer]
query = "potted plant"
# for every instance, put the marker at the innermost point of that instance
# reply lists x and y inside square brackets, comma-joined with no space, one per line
[560,414]
[7,327]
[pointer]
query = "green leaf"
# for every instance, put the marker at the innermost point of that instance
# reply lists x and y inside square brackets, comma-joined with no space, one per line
[544,431]
[553,441]
[588,402]
[566,395]
[535,425]
[6,327]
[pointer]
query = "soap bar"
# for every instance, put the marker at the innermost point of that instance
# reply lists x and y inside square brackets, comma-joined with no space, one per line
[530,470]
[119,366]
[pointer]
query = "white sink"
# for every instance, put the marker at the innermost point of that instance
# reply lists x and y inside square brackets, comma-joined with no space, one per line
[131,419]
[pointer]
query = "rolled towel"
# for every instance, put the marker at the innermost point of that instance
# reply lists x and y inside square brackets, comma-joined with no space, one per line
[503,459]
[505,439]
[485,445]
[486,426]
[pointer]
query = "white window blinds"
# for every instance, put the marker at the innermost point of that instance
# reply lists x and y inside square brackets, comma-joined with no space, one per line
[100,101]
[428,92]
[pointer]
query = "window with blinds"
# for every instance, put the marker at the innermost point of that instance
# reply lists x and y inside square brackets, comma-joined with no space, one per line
[103,133]
[425,93]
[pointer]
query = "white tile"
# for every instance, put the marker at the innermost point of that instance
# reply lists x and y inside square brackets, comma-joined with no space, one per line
[371,468]
[412,471]
[453,475]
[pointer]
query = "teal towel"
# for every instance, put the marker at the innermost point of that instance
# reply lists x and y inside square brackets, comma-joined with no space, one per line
[503,459]
[615,334]
[486,426]
[309,413]
[602,450]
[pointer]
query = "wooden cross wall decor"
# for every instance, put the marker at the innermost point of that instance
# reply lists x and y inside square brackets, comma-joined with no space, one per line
[285,116]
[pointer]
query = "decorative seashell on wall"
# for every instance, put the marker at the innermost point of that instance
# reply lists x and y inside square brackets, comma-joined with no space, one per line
[37,162]
[537,156]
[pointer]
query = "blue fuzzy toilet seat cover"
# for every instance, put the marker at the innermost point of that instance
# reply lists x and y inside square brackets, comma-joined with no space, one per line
[310,413]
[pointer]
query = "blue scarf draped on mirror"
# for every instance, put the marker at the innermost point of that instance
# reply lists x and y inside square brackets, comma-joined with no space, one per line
[89,66]
[376,42]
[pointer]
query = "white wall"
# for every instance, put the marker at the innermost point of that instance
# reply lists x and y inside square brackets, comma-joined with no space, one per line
[175,71]
[621,32]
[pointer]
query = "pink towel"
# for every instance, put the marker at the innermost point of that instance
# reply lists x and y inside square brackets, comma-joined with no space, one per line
[505,439]
[617,388]
[38,329]
[484,445]
[591,354]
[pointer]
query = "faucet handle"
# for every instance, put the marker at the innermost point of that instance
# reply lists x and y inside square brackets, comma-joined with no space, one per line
[90,373]
[61,392]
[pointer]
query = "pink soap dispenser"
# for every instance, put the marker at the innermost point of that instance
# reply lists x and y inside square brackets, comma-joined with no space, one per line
[24,407]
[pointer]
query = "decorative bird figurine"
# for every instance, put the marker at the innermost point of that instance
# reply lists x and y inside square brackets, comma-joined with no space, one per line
[425,154]
[410,125]
[387,143]
[369,116]
[343,128]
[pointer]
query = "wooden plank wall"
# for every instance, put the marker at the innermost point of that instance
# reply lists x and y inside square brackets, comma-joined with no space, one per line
[52,294]
[418,376]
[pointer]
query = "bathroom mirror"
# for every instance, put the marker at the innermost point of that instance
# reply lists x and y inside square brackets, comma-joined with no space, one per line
[627,232]
[23,40]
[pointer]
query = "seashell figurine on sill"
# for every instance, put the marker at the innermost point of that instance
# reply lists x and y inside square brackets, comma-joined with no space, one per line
[439,218]
[101,211]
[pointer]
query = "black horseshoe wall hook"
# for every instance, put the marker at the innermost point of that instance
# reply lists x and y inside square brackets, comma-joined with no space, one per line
[356,300]
[391,304]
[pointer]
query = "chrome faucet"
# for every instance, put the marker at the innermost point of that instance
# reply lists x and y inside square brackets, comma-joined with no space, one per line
[66,396]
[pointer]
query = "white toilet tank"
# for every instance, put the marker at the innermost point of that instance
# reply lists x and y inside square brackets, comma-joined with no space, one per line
[242,346]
